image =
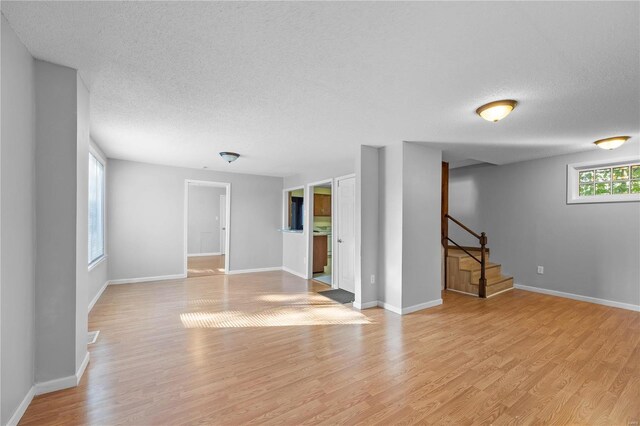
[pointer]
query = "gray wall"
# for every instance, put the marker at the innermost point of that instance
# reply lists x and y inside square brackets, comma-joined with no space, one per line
[409,225]
[203,235]
[367,177]
[421,198]
[390,221]
[146,219]
[586,249]
[57,207]
[18,222]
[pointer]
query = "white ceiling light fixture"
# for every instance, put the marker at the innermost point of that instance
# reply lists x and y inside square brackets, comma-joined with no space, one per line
[612,143]
[229,157]
[496,111]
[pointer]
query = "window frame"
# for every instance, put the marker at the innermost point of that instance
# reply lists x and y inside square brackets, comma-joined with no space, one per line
[103,162]
[286,226]
[573,184]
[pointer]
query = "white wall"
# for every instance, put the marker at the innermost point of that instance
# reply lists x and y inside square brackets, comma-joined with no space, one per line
[146,219]
[294,244]
[203,227]
[17,203]
[586,249]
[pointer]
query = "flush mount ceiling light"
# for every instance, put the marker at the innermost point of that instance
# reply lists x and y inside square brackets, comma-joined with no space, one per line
[496,111]
[229,157]
[611,143]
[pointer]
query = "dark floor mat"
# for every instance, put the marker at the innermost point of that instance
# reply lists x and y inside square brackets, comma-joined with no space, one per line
[339,295]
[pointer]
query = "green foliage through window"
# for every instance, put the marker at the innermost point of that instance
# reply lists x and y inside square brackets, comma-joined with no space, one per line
[619,180]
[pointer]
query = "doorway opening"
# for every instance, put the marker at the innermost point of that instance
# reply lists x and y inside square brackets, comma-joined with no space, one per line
[321,235]
[206,228]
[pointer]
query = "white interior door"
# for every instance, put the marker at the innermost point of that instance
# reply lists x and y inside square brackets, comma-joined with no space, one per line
[223,224]
[346,227]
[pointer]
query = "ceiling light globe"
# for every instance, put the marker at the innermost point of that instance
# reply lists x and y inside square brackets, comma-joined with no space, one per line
[611,143]
[229,157]
[496,111]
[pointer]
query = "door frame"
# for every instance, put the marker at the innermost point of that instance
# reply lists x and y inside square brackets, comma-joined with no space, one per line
[225,225]
[335,250]
[309,225]
[227,187]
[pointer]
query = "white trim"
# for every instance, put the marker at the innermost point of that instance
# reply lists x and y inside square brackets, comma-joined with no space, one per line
[250,271]
[365,305]
[579,297]
[227,187]
[97,262]
[410,309]
[204,254]
[572,181]
[421,306]
[22,408]
[389,307]
[56,385]
[285,210]
[310,206]
[97,296]
[292,272]
[147,279]
[63,382]
[350,175]
[100,158]
[82,368]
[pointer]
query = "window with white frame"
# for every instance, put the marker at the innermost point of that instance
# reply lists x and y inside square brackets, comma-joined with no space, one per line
[96,209]
[616,181]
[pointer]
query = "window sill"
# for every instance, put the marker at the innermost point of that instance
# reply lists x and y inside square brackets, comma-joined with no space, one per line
[97,262]
[292,231]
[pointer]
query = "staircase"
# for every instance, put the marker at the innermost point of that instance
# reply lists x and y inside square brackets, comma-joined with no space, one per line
[467,269]
[463,273]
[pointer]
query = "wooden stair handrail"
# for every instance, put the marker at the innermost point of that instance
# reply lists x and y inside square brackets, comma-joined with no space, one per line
[462,225]
[482,239]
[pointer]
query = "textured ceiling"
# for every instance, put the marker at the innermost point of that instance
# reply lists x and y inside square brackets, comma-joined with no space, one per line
[294,85]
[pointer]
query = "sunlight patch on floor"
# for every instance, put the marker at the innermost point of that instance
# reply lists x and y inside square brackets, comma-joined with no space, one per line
[275,317]
[296,299]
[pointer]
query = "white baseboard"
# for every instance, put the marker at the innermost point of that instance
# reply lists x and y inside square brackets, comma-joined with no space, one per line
[421,306]
[410,309]
[365,305]
[579,297]
[250,271]
[296,273]
[56,384]
[204,254]
[390,307]
[147,279]
[82,368]
[95,299]
[22,408]
[63,382]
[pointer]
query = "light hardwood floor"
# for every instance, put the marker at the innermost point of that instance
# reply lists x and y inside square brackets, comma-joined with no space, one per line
[202,266]
[209,351]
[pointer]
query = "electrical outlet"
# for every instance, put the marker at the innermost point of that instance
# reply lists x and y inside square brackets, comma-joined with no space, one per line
[373,279]
[541,270]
